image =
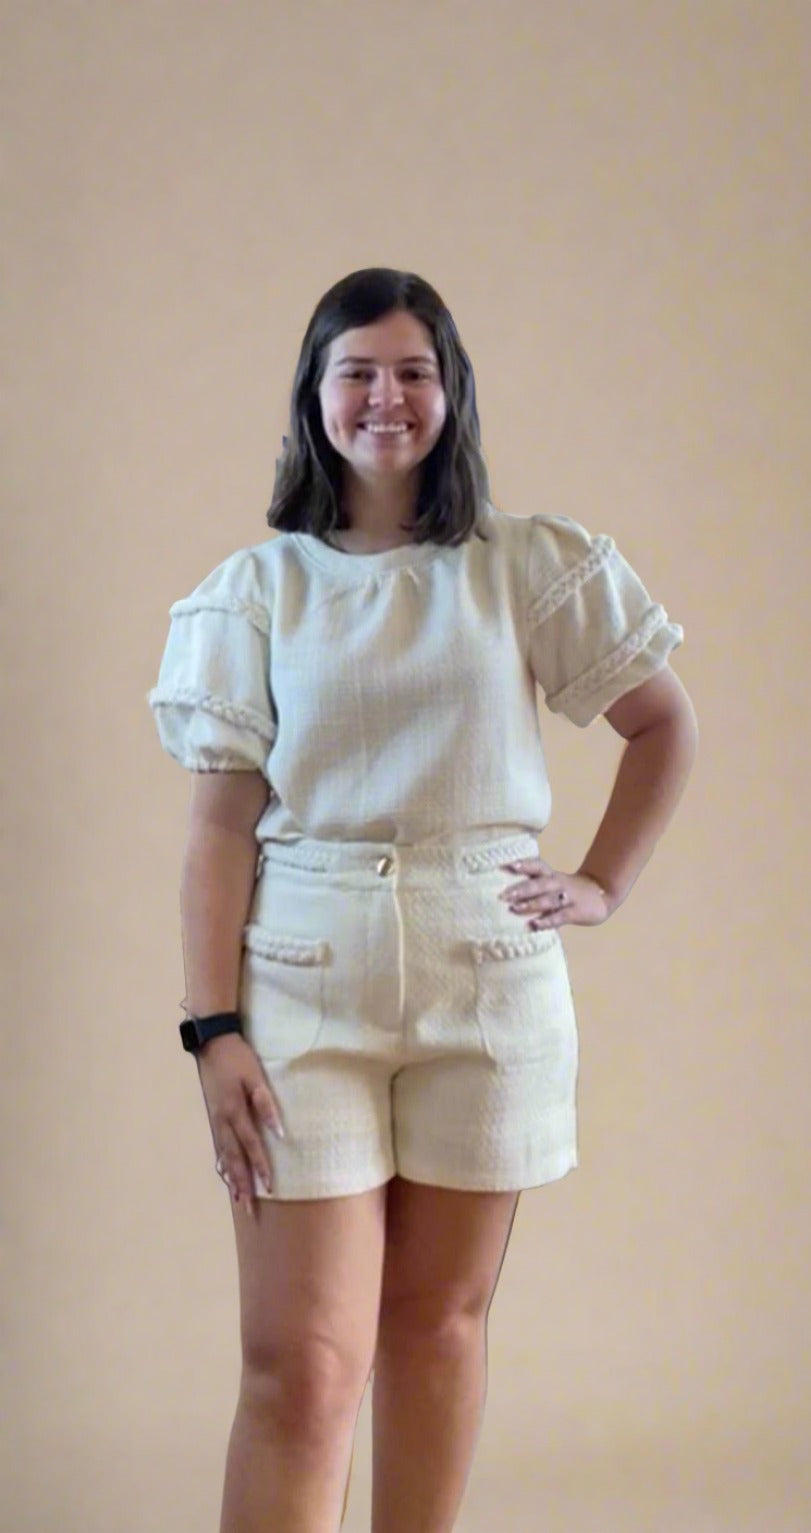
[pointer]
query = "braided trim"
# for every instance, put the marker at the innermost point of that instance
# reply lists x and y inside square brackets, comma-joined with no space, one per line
[240,714]
[252,610]
[493,856]
[294,856]
[602,550]
[592,679]
[524,946]
[224,761]
[285,949]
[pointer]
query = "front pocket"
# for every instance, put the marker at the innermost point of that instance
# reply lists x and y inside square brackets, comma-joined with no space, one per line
[524,1004]
[282,985]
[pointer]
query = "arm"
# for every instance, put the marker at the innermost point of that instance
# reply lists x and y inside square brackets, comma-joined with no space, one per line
[217,883]
[659,723]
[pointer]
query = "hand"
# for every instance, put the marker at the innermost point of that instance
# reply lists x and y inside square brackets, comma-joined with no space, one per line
[239,1102]
[539,896]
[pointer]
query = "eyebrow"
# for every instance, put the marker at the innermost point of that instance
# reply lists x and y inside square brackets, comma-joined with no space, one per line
[340,360]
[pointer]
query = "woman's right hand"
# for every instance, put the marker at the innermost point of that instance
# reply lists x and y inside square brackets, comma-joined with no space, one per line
[238,1101]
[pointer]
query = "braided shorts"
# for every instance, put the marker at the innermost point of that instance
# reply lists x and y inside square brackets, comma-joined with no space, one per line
[407,1021]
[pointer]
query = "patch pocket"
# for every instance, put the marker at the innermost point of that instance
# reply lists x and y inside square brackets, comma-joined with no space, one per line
[524,1004]
[282,987]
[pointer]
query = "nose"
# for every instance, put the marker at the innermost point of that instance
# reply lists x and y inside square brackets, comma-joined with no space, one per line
[386,390]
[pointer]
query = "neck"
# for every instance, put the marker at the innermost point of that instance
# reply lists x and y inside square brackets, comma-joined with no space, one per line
[380,509]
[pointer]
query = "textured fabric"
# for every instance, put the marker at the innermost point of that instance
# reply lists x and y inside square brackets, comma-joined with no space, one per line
[393,696]
[594,632]
[211,703]
[406,1020]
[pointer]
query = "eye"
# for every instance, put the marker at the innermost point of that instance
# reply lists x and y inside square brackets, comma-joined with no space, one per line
[360,372]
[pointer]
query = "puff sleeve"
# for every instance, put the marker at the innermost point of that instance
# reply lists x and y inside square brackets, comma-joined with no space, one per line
[593,631]
[212,704]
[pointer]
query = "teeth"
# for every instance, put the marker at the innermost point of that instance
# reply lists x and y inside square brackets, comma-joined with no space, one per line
[386,430]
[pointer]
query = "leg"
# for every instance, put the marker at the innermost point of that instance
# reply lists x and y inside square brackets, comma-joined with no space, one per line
[443,1255]
[309,1284]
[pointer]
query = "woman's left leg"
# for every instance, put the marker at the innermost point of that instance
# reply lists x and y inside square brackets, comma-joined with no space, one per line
[443,1255]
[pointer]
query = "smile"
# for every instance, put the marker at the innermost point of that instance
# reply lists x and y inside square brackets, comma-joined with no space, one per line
[376,430]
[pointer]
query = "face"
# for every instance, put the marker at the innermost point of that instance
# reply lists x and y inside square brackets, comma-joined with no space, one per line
[386,373]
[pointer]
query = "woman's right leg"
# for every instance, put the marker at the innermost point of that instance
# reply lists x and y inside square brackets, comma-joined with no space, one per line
[310,1276]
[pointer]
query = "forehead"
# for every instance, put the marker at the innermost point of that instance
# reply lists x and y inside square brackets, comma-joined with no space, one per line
[394,338]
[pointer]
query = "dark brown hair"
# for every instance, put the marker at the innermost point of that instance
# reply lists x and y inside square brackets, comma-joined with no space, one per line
[454,486]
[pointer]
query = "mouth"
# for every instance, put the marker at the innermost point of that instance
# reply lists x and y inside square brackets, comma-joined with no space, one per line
[386,433]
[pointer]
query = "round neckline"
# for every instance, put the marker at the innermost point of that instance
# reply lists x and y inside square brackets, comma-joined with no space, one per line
[384,559]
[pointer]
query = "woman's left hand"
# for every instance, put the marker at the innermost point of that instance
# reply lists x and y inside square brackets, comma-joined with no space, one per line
[538,897]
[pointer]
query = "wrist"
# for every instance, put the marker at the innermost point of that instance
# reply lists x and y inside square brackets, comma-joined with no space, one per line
[611,896]
[197,1032]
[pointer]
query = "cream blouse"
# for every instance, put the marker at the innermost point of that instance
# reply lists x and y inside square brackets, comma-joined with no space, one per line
[392,696]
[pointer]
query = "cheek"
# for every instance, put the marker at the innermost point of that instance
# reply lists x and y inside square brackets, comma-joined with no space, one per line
[333,413]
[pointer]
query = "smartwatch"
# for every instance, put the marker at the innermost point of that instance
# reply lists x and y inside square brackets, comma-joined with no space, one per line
[196,1031]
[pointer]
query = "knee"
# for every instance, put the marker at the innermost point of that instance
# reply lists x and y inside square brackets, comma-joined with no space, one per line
[438,1321]
[305,1385]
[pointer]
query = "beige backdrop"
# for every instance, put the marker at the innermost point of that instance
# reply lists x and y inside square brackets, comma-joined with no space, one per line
[613,199]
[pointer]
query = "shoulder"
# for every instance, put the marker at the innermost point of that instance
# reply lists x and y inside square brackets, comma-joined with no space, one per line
[559,544]
[556,553]
[559,538]
[242,583]
[563,557]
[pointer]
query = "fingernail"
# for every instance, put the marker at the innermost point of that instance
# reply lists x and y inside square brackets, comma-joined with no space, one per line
[277,1129]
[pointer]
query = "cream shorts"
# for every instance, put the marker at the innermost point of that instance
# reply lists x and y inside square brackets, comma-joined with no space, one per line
[407,1021]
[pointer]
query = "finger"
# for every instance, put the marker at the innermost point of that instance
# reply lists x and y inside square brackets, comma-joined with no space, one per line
[553,918]
[245,1174]
[537,896]
[552,909]
[529,865]
[234,1164]
[256,1153]
[266,1107]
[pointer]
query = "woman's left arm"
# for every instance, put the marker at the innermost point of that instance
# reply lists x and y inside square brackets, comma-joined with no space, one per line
[658,721]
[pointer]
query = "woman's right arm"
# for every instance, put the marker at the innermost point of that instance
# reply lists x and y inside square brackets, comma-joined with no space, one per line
[217,882]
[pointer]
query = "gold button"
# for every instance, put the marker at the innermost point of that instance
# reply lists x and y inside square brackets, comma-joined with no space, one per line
[385,865]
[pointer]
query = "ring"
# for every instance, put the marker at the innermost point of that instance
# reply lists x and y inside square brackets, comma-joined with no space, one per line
[561,896]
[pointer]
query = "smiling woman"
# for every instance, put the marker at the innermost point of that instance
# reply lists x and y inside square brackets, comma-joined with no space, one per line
[377,662]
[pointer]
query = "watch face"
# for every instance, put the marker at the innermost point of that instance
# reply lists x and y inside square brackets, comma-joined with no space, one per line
[189,1035]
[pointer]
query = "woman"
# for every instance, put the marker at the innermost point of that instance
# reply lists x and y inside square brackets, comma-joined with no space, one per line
[385,1034]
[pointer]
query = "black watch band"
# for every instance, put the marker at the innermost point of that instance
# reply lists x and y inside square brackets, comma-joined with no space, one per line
[196,1031]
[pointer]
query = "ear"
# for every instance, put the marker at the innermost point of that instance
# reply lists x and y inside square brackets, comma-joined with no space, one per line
[660,697]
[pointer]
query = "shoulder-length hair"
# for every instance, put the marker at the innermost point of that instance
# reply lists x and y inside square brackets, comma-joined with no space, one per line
[454,489]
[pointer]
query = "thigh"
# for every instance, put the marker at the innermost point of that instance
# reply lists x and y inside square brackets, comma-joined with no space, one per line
[444,1250]
[309,1281]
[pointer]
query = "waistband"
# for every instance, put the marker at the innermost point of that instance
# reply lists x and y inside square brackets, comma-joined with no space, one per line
[471,853]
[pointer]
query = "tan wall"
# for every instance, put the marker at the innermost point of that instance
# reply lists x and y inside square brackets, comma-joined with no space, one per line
[613,199]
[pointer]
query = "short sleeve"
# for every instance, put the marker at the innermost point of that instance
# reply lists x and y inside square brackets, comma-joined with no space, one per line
[212,704]
[593,631]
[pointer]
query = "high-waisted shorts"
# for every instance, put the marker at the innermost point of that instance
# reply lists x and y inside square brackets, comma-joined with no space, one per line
[407,1021]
